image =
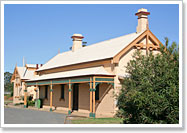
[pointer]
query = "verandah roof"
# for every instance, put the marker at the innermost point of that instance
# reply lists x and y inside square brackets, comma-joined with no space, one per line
[73,73]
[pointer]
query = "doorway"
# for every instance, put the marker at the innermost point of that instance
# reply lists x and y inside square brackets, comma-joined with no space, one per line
[75,96]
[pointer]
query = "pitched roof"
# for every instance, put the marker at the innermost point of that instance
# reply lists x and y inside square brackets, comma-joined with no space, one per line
[25,73]
[21,71]
[73,73]
[29,74]
[102,50]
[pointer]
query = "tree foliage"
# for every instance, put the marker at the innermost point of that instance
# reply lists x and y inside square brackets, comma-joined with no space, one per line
[8,86]
[151,91]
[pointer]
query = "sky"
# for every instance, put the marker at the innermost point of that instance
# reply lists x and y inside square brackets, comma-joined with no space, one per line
[37,32]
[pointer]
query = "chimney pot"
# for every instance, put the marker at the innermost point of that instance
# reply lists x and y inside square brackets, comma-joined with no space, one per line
[77,41]
[77,36]
[36,66]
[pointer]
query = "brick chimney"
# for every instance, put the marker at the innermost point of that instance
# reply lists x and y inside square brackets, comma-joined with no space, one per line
[36,66]
[77,41]
[142,20]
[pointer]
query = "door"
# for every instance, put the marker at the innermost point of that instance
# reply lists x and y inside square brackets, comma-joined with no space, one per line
[75,96]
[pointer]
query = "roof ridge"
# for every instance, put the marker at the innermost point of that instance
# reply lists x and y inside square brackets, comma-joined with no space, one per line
[47,62]
[83,53]
[101,42]
[110,39]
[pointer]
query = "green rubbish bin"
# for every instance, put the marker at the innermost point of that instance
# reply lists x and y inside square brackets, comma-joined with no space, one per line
[38,103]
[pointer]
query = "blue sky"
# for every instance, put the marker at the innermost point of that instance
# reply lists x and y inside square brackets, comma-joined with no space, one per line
[36,32]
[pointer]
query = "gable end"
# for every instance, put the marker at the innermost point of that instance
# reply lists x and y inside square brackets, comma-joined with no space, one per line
[147,40]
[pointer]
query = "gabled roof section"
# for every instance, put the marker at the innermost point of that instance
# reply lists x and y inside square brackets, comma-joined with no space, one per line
[29,74]
[99,51]
[148,35]
[14,74]
[73,73]
[23,73]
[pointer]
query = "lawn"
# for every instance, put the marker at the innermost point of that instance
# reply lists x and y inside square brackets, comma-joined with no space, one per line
[7,102]
[8,98]
[97,121]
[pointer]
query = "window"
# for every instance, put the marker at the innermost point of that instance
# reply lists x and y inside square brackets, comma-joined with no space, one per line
[17,79]
[46,91]
[62,91]
[97,92]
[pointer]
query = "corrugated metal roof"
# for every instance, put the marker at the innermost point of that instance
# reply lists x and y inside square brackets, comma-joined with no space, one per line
[21,71]
[73,73]
[29,74]
[25,73]
[98,51]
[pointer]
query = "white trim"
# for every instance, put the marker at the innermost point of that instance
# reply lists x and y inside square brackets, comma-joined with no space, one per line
[91,2]
[91,125]
[180,65]
[2,64]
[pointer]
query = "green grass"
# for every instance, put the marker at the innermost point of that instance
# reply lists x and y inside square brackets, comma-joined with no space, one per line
[6,102]
[7,95]
[97,121]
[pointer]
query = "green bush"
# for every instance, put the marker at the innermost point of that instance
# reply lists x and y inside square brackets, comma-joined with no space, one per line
[11,93]
[7,95]
[31,103]
[151,91]
[16,104]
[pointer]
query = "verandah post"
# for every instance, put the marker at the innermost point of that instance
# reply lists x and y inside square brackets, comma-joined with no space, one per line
[91,114]
[51,96]
[69,110]
[37,92]
[37,96]
[25,96]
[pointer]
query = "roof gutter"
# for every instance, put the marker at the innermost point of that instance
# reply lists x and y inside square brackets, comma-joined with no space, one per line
[71,77]
[74,64]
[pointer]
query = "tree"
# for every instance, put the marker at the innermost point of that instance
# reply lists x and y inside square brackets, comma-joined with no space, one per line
[8,86]
[150,93]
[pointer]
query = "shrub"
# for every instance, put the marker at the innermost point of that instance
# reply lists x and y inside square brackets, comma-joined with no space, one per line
[31,103]
[151,93]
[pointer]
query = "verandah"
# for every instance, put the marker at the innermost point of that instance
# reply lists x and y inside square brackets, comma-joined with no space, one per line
[93,81]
